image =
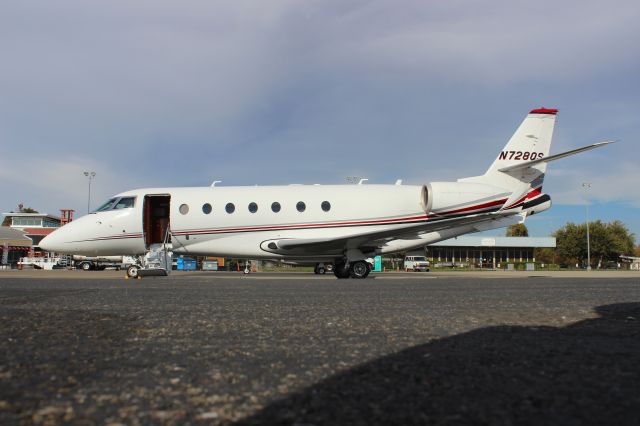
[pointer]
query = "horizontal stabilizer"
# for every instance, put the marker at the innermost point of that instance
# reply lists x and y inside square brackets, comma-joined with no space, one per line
[528,164]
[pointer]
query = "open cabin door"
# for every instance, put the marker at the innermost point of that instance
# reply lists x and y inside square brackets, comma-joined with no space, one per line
[156,218]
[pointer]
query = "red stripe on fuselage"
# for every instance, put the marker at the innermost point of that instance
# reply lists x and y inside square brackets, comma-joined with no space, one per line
[479,206]
[534,193]
[305,226]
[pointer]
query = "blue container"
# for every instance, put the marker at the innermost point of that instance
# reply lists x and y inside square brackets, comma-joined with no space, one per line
[185,264]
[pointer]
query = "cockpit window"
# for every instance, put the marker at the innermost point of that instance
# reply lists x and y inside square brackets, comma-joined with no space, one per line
[125,203]
[106,206]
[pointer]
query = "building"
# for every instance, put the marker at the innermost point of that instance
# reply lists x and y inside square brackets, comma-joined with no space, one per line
[14,244]
[35,225]
[487,252]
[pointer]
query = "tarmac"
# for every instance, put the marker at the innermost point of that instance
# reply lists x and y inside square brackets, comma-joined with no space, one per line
[505,348]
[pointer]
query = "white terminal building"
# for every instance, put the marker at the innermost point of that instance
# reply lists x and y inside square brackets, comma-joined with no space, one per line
[487,252]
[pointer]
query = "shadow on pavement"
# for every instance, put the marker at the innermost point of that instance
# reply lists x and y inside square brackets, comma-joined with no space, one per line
[585,373]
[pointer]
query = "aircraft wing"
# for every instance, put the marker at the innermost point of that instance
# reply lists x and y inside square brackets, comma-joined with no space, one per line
[369,241]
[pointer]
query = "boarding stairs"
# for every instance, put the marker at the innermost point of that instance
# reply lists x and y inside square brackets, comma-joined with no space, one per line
[157,260]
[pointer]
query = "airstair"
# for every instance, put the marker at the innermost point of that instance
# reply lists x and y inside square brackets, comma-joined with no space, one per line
[157,260]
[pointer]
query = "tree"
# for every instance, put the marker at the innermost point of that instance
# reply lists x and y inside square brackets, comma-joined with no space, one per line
[607,240]
[568,243]
[637,251]
[517,230]
[545,255]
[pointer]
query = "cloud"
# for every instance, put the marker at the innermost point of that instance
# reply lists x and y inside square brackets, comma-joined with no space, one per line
[51,184]
[614,183]
[310,92]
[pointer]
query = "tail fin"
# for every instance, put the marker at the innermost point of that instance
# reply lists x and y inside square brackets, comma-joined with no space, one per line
[531,141]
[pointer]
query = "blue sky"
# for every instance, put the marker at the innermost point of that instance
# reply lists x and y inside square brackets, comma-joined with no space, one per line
[183,93]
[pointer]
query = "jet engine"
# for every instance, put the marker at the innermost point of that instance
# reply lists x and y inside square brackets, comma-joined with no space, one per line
[461,197]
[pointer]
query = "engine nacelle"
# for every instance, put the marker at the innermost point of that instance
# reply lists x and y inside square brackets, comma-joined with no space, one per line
[461,197]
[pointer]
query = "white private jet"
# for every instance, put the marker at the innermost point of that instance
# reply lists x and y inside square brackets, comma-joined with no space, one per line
[341,224]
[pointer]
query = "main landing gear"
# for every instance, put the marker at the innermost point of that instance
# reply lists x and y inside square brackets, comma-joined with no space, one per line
[357,269]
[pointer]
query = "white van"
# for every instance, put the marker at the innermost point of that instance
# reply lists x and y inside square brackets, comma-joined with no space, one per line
[416,263]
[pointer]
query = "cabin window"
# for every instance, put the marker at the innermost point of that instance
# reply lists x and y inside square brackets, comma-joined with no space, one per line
[326,206]
[106,206]
[184,209]
[275,207]
[230,208]
[206,208]
[253,207]
[301,206]
[125,203]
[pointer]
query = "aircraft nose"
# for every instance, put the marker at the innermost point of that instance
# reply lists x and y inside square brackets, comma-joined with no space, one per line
[52,242]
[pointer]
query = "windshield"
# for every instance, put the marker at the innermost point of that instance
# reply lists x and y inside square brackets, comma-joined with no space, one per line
[106,206]
[125,203]
[420,258]
[117,204]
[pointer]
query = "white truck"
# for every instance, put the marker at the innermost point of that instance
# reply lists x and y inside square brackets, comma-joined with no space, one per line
[416,263]
[88,263]
[46,262]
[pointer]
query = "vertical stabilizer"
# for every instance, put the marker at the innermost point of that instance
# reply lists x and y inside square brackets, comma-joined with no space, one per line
[531,141]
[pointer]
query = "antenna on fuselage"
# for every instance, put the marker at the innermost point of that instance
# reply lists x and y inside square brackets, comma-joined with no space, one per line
[214,183]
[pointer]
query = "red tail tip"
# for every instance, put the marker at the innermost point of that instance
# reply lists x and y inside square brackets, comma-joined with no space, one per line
[544,111]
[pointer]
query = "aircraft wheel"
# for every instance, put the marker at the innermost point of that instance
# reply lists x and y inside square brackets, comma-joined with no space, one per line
[132,271]
[368,270]
[359,269]
[341,271]
[86,266]
[321,270]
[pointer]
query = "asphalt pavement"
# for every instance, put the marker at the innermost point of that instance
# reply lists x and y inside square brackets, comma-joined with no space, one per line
[307,350]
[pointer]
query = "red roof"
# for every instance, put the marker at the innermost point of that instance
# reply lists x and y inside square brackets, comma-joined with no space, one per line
[544,111]
[38,231]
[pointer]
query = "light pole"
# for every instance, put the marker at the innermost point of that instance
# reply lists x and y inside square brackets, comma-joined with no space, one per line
[587,186]
[90,176]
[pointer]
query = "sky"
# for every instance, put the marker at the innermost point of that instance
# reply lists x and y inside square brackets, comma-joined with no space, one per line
[152,94]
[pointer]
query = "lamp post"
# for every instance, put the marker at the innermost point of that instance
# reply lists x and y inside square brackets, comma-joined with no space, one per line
[90,176]
[587,186]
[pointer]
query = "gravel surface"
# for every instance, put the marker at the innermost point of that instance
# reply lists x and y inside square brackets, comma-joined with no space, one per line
[302,350]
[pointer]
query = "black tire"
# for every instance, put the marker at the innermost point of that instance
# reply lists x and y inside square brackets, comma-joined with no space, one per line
[321,270]
[86,266]
[132,271]
[369,268]
[359,269]
[341,271]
